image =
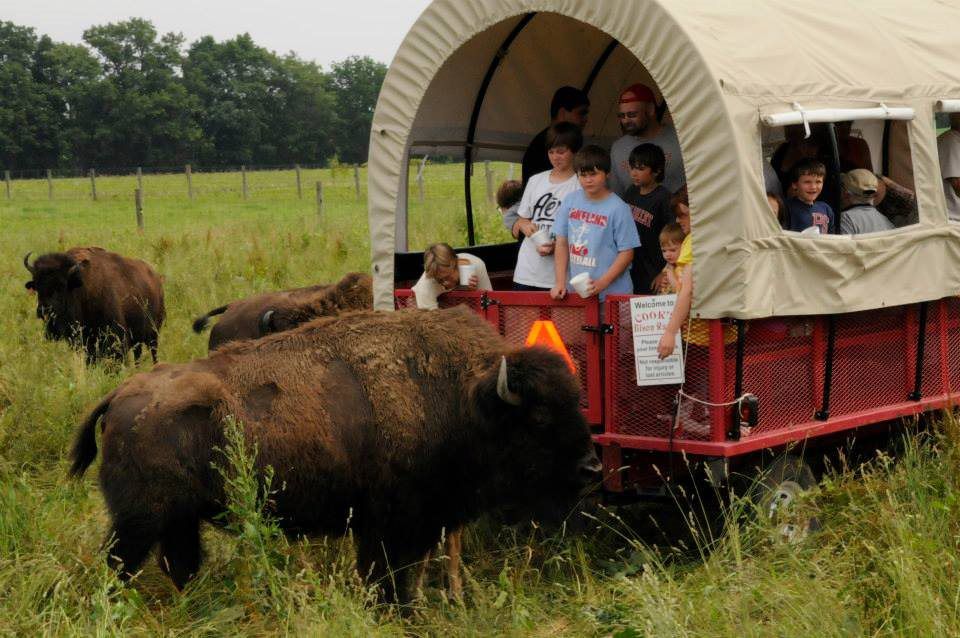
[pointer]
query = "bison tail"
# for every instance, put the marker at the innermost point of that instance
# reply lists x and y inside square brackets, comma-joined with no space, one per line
[200,323]
[84,449]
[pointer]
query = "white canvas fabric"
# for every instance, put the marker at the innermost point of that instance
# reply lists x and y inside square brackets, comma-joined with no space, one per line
[720,67]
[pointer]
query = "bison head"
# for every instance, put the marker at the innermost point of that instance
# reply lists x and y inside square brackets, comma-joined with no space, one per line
[542,459]
[56,278]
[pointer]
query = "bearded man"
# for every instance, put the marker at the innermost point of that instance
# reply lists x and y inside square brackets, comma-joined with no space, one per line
[637,114]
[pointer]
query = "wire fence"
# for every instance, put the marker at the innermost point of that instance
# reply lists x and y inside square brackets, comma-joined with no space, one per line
[301,181]
[191,182]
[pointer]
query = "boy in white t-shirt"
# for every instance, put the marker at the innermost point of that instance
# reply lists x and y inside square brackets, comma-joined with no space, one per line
[538,206]
[441,273]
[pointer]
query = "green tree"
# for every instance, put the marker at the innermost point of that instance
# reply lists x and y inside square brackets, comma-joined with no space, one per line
[356,84]
[141,113]
[28,118]
[257,107]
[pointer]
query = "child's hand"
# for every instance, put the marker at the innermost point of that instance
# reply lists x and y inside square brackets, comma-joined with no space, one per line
[558,292]
[546,249]
[659,283]
[473,282]
[667,343]
[526,226]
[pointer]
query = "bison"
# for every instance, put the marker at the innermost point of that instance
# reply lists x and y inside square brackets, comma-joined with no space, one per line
[97,300]
[263,314]
[403,424]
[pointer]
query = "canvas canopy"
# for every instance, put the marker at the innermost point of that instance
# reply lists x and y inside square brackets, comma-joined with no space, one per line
[722,68]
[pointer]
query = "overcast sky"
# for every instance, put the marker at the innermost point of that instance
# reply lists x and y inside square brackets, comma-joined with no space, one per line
[320,30]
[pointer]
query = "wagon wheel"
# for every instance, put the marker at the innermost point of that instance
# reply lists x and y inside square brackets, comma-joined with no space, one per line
[776,490]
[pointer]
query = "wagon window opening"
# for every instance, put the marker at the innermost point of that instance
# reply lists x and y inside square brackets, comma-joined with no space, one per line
[948,154]
[873,190]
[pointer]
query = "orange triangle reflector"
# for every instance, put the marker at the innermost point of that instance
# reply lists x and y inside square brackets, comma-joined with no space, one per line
[544,333]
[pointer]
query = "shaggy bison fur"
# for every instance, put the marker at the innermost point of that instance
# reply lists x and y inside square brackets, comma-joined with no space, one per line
[414,421]
[97,300]
[263,314]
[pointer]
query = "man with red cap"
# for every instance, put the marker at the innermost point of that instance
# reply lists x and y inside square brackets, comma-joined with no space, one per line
[637,114]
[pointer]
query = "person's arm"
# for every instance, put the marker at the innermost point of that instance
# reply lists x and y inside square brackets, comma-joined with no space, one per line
[525,212]
[510,219]
[561,256]
[679,315]
[621,263]
[524,226]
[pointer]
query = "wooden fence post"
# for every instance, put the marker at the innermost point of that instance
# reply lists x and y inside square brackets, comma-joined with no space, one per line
[189,171]
[299,186]
[138,202]
[319,199]
[6,179]
[489,175]
[49,185]
[243,175]
[140,179]
[93,184]
[423,165]
[356,179]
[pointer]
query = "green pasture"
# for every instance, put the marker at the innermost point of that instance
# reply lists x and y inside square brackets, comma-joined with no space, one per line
[887,562]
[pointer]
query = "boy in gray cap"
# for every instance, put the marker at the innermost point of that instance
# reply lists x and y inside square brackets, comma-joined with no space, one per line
[859,214]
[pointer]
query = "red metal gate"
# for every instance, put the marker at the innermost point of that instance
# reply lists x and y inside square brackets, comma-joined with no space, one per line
[514,313]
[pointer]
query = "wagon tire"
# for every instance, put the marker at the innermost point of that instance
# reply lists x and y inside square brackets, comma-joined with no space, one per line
[775,491]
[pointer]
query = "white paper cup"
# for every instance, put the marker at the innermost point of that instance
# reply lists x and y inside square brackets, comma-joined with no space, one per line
[811,230]
[541,237]
[580,283]
[466,272]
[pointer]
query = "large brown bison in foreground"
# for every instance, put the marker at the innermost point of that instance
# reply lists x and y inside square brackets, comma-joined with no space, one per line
[403,424]
[97,300]
[269,312]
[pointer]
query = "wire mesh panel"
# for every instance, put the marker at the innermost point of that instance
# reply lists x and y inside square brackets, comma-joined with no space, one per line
[778,369]
[631,409]
[871,360]
[514,315]
[404,299]
[934,372]
[951,347]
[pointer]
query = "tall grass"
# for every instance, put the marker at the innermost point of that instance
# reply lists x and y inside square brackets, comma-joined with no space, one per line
[886,562]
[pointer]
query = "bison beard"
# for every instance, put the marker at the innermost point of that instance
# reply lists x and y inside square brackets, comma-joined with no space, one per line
[97,300]
[270,312]
[414,421]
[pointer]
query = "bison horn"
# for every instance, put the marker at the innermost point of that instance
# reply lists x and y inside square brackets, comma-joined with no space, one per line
[26,262]
[503,386]
[266,327]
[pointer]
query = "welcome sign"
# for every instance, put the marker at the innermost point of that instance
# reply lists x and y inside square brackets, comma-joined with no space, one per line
[649,317]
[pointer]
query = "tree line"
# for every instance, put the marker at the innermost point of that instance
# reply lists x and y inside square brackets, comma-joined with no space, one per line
[129,96]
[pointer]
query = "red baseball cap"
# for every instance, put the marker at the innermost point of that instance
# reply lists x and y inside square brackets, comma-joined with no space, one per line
[637,93]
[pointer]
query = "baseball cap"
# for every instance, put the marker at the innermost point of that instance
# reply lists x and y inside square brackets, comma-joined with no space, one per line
[860,181]
[637,93]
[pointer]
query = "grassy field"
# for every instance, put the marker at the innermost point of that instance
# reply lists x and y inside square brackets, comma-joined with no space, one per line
[886,564]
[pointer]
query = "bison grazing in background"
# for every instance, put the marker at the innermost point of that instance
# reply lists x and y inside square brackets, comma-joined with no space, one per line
[403,424]
[263,314]
[98,300]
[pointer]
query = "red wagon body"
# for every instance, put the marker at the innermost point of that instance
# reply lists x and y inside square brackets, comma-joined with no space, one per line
[879,365]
